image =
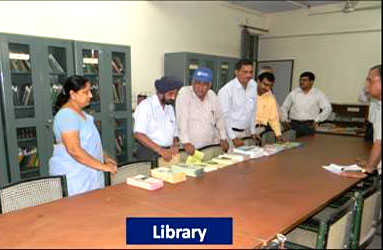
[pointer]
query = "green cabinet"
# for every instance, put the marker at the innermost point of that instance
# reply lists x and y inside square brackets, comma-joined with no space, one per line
[183,64]
[108,68]
[33,70]
[3,158]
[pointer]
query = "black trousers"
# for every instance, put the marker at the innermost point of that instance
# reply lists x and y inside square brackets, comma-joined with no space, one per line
[146,154]
[303,128]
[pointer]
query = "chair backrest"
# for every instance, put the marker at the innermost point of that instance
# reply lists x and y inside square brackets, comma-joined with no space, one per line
[333,228]
[366,216]
[129,170]
[211,152]
[289,135]
[267,138]
[249,141]
[32,192]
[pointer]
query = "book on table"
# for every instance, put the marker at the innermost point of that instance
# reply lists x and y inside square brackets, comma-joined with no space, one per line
[336,169]
[145,182]
[189,170]
[168,175]
[251,151]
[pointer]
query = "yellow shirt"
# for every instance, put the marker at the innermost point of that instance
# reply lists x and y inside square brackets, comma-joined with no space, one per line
[267,112]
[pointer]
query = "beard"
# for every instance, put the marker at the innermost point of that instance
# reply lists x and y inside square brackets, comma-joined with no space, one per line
[169,102]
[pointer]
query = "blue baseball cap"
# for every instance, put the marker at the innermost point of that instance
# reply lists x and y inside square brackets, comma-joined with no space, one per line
[202,74]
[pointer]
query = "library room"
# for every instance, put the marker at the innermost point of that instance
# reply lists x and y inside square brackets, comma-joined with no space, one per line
[190,124]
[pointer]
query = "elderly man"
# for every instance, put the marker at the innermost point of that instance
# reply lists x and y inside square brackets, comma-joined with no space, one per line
[199,118]
[238,99]
[267,110]
[303,106]
[155,125]
[374,89]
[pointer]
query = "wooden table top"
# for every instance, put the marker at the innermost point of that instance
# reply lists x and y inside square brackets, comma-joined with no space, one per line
[264,197]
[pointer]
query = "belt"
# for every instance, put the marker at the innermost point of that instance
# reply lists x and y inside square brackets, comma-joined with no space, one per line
[304,121]
[260,125]
[238,129]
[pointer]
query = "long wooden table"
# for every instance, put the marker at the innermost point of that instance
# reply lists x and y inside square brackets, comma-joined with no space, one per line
[264,197]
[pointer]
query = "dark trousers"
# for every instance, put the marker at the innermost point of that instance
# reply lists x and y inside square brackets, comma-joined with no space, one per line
[369,132]
[146,154]
[303,128]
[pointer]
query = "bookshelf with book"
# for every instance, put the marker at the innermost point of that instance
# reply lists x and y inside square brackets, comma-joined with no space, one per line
[33,69]
[183,64]
[108,68]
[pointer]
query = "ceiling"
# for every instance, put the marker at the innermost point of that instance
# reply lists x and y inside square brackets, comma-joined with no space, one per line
[272,6]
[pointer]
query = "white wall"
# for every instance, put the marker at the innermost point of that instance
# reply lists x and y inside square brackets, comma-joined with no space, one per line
[339,60]
[150,28]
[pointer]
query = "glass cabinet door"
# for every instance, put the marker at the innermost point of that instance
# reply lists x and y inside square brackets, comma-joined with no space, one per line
[223,76]
[90,70]
[193,64]
[120,137]
[119,84]
[3,158]
[21,78]
[28,153]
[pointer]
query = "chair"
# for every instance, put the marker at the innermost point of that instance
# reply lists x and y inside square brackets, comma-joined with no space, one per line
[249,141]
[178,158]
[129,169]
[331,228]
[289,135]
[368,214]
[211,151]
[267,138]
[32,193]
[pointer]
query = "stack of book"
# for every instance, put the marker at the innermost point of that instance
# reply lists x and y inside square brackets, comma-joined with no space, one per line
[252,151]
[336,169]
[168,175]
[189,170]
[271,149]
[145,182]
[224,161]
[214,164]
[234,157]
[206,167]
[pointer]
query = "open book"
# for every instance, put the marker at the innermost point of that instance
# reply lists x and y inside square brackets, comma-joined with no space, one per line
[336,169]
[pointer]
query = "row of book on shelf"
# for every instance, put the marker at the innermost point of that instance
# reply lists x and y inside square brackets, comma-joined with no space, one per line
[17,65]
[118,91]
[195,167]
[22,94]
[28,158]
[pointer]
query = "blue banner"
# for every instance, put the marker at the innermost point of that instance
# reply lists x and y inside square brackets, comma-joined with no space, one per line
[179,231]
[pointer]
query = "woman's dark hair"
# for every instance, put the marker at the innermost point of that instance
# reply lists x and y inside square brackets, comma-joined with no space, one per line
[74,83]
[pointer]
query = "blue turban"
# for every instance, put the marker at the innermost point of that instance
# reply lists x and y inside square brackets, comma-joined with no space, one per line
[167,83]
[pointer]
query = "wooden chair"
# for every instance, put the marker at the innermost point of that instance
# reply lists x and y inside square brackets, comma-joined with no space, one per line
[32,193]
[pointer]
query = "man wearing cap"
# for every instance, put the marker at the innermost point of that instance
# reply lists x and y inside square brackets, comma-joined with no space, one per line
[238,99]
[199,118]
[267,116]
[305,106]
[155,125]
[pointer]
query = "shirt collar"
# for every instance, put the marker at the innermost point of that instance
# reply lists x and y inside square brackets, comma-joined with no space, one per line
[312,90]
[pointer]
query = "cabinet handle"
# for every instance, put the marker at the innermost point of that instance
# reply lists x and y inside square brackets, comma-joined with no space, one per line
[48,124]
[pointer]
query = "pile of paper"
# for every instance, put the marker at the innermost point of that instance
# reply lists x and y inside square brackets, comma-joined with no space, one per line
[336,169]
[189,170]
[252,151]
[145,182]
[168,175]
[271,149]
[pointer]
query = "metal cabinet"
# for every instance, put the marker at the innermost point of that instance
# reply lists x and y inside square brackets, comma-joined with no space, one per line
[33,70]
[183,64]
[108,68]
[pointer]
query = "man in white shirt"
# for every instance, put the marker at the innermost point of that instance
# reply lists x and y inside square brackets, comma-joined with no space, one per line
[155,125]
[199,118]
[374,89]
[305,106]
[238,99]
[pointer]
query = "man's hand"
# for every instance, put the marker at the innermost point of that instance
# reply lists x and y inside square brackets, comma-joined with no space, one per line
[280,139]
[224,145]
[286,126]
[174,149]
[257,139]
[352,174]
[166,154]
[361,162]
[238,142]
[189,148]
